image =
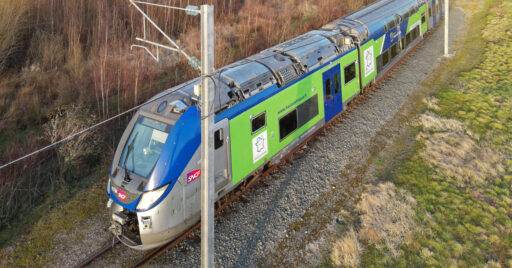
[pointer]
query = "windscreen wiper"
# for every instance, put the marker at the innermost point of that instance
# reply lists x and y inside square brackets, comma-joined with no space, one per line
[130,150]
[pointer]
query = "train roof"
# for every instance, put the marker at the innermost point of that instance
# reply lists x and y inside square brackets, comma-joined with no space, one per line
[288,61]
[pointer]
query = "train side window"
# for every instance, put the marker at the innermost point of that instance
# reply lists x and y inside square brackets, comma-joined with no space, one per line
[307,111]
[336,83]
[219,138]
[385,58]
[391,24]
[328,90]
[423,18]
[430,11]
[415,33]
[394,50]
[287,124]
[379,63]
[259,122]
[350,72]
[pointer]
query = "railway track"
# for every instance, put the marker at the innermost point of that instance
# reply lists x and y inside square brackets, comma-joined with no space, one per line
[256,178]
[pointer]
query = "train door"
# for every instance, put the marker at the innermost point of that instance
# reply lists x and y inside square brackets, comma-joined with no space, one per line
[221,154]
[333,103]
[437,11]
[431,14]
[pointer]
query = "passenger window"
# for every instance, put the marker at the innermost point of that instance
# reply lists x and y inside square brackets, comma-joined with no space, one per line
[430,12]
[259,122]
[336,83]
[307,111]
[394,50]
[385,58]
[379,63]
[350,73]
[328,93]
[219,138]
[415,33]
[391,24]
[287,124]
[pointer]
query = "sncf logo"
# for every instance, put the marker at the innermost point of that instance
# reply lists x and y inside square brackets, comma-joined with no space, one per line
[121,195]
[192,176]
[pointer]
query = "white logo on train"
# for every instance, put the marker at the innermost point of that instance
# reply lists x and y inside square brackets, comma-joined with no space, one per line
[369,61]
[259,146]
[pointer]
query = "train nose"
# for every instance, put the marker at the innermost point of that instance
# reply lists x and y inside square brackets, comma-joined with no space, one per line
[124,226]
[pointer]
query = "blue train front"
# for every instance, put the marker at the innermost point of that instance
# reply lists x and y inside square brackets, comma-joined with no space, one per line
[157,156]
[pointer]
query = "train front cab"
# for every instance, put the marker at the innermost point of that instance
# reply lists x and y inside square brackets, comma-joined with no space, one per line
[149,185]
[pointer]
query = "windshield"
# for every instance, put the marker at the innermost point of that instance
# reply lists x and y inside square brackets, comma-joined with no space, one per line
[144,146]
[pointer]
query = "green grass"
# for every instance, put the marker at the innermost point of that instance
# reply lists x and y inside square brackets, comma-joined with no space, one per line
[466,225]
[62,213]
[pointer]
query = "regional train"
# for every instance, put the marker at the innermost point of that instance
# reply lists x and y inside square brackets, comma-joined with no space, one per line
[265,106]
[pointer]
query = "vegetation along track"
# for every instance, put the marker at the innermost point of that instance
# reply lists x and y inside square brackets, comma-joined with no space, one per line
[237,194]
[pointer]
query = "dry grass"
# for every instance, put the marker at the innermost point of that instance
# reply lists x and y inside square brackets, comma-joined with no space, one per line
[12,29]
[347,250]
[67,121]
[387,222]
[457,152]
[388,217]
[432,103]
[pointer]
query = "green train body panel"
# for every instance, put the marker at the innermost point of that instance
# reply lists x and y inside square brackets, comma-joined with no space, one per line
[240,126]
[278,106]
[241,137]
[378,46]
[416,18]
[369,67]
[424,26]
[350,89]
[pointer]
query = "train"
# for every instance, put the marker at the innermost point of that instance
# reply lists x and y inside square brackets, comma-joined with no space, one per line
[265,106]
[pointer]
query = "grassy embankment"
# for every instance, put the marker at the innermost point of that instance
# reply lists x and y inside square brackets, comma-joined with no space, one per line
[66,54]
[448,203]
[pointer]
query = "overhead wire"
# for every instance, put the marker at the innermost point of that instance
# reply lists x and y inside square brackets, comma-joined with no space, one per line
[210,112]
[72,136]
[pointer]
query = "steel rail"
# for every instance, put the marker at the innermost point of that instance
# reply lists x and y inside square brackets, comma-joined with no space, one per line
[97,254]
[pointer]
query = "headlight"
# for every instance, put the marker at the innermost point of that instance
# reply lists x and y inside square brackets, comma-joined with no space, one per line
[149,198]
[108,187]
